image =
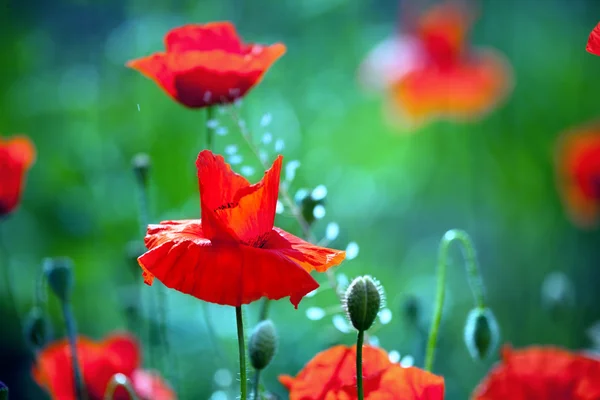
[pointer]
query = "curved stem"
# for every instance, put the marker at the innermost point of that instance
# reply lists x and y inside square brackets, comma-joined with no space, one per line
[474,278]
[359,371]
[210,113]
[256,385]
[72,336]
[264,309]
[117,381]
[242,350]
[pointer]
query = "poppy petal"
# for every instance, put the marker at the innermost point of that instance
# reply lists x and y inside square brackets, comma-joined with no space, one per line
[465,91]
[413,382]
[593,44]
[17,154]
[123,351]
[226,274]
[204,37]
[247,210]
[21,149]
[309,256]
[156,68]
[151,386]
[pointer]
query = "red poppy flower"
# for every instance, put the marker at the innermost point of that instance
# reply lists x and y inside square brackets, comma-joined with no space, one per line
[578,174]
[436,74]
[99,361]
[331,375]
[17,155]
[593,44]
[207,64]
[234,255]
[541,373]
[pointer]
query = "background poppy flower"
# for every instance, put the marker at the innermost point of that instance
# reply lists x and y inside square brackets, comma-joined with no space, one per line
[234,255]
[578,174]
[438,75]
[331,374]
[207,64]
[17,155]
[99,361]
[541,373]
[593,44]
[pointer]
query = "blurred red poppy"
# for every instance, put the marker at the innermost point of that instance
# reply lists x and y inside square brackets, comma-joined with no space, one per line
[99,361]
[234,255]
[578,174]
[17,155]
[331,374]
[541,373]
[593,44]
[435,74]
[207,64]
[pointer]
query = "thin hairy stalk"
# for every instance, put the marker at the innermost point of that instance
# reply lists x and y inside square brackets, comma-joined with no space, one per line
[242,351]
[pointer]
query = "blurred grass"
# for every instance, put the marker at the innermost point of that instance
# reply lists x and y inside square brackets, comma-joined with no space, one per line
[65,84]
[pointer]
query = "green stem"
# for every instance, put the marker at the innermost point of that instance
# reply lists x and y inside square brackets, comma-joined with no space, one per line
[256,385]
[242,350]
[359,371]
[12,303]
[474,278]
[72,336]
[264,309]
[117,381]
[210,113]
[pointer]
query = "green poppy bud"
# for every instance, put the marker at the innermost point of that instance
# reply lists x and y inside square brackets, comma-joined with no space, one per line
[59,274]
[3,391]
[141,167]
[362,301]
[262,344]
[482,333]
[36,328]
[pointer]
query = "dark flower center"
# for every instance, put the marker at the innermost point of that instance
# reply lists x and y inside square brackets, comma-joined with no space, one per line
[226,206]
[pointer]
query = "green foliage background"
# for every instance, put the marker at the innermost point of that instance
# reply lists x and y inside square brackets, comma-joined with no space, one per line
[64,83]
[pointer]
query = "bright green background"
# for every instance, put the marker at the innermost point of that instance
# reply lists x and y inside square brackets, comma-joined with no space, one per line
[65,84]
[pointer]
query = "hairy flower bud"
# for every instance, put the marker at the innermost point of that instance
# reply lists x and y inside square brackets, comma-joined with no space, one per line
[59,274]
[262,344]
[141,167]
[3,391]
[482,333]
[36,328]
[362,301]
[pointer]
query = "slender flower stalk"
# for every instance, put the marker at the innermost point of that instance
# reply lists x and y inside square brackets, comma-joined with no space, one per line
[256,385]
[474,278]
[210,114]
[72,336]
[242,350]
[12,302]
[264,309]
[359,371]
[119,381]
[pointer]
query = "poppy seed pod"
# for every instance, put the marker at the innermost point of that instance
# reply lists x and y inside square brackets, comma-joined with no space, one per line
[482,333]
[3,391]
[141,167]
[362,301]
[262,344]
[36,328]
[59,274]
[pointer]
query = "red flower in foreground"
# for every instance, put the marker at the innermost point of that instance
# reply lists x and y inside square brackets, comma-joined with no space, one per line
[593,44]
[430,72]
[17,155]
[234,255]
[541,373]
[578,174]
[207,64]
[331,375]
[99,361]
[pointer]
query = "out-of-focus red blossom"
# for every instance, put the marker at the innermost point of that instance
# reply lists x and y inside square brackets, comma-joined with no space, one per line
[99,361]
[331,375]
[431,72]
[17,155]
[541,373]
[234,255]
[578,174]
[207,64]
[593,44]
